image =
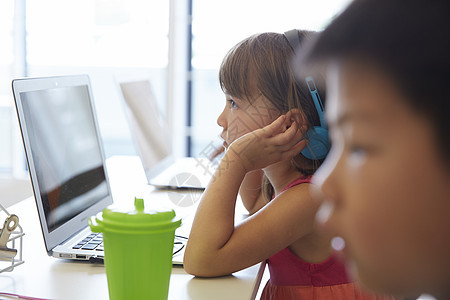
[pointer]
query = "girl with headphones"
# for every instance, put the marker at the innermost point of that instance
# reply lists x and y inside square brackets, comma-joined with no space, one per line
[275,136]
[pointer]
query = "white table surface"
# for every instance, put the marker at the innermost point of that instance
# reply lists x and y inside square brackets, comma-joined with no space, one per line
[50,278]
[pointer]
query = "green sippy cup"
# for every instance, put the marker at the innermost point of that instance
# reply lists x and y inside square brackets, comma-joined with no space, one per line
[138,250]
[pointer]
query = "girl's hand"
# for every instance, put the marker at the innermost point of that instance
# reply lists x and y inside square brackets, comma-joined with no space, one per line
[216,153]
[278,141]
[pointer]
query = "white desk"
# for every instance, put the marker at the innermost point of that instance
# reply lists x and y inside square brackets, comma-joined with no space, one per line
[46,277]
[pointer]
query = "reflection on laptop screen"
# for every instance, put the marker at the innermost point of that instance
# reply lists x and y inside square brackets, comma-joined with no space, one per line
[65,151]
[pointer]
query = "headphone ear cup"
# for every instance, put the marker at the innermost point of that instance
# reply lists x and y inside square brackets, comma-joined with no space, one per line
[319,143]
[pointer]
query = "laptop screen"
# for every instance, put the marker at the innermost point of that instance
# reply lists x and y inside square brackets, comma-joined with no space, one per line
[65,150]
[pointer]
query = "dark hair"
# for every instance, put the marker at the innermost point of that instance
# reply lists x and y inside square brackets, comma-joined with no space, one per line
[263,65]
[410,40]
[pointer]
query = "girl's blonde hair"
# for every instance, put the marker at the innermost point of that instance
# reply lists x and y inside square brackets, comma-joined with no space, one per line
[262,65]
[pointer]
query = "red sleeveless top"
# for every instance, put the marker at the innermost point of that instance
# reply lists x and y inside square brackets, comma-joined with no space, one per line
[293,278]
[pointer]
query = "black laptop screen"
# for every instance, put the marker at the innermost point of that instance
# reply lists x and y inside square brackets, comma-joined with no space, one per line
[66,152]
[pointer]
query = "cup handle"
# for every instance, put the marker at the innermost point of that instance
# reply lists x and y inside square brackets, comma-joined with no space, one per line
[95,227]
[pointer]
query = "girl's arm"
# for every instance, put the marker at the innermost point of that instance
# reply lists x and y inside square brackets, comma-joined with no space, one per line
[215,246]
[250,190]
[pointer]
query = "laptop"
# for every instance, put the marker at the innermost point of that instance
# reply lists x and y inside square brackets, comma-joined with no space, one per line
[66,163]
[152,139]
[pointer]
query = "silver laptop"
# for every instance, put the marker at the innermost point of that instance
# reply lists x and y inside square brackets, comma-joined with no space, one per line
[152,140]
[66,163]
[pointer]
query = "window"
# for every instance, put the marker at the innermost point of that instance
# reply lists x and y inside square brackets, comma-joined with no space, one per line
[105,39]
[7,63]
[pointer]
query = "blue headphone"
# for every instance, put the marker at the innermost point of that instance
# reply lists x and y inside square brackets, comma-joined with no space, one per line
[319,141]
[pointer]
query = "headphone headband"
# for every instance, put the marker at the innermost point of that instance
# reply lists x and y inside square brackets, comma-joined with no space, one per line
[318,136]
[295,42]
[317,101]
[293,39]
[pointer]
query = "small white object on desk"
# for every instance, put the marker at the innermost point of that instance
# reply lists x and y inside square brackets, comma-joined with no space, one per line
[10,251]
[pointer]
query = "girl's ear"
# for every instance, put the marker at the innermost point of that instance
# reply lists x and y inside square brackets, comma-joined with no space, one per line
[295,115]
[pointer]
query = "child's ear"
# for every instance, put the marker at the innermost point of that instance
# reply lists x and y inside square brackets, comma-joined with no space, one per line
[295,115]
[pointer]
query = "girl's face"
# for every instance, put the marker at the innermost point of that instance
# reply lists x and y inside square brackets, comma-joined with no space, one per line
[240,117]
[386,192]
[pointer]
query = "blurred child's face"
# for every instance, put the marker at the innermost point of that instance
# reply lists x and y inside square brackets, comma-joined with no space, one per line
[385,188]
[240,116]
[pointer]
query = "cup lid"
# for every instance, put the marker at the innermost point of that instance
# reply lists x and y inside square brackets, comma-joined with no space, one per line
[139,219]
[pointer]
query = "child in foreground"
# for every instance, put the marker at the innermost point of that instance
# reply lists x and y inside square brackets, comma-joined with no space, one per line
[386,181]
[268,131]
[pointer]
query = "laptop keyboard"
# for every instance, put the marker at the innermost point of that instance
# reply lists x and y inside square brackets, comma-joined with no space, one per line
[95,241]
[91,242]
